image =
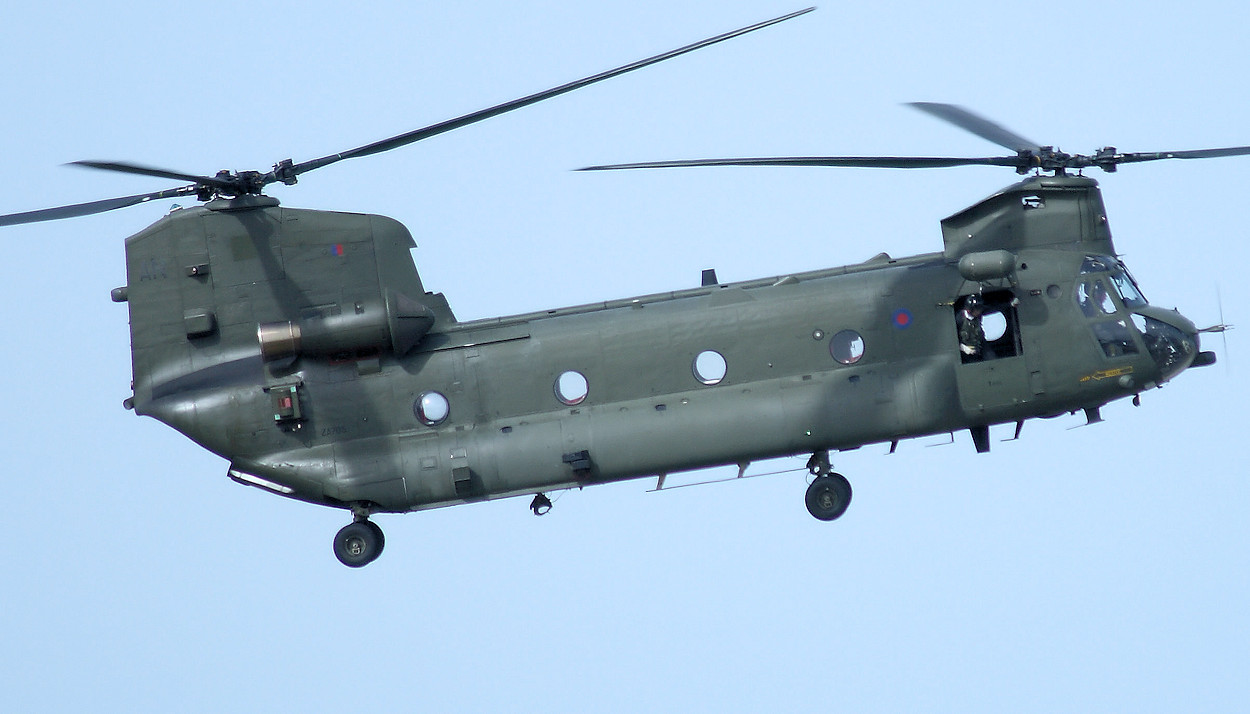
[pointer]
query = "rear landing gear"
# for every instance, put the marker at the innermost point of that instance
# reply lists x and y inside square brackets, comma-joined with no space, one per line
[359,543]
[828,496]
[830,493]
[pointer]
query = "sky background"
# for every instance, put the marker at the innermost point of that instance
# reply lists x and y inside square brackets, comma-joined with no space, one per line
[1099,568]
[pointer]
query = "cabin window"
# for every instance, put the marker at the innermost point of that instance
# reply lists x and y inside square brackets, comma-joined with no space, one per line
[994,325]
[572,388]
[987,326]
[431,408]
[709,367]
[847,347]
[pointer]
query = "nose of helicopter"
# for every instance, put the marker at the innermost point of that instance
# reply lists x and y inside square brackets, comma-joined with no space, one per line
[1172,340]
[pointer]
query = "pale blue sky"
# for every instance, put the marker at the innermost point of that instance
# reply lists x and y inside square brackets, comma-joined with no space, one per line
[1100,568]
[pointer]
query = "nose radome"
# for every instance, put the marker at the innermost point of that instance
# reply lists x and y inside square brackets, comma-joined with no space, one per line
[1170,337]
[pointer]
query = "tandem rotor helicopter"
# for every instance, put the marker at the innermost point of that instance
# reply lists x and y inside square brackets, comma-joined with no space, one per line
[302,346]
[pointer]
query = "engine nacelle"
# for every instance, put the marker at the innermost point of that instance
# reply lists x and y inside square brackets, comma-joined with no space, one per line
[397,326]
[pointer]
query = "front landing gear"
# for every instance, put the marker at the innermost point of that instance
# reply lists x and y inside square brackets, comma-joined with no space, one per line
[359,543]
[830,493]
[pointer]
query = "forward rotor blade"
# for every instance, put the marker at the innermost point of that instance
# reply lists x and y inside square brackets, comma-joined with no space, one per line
[125,168]
[435,129]
[882,162]
[86,209]
[979,125]
[1194,154]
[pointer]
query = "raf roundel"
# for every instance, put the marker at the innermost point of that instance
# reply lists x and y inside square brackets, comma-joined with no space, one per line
[901,318]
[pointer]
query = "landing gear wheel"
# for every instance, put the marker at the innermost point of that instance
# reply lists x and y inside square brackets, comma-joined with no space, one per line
[358,544]
[828,496]
[377,531]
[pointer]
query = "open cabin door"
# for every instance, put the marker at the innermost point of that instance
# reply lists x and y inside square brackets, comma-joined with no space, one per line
[993,370]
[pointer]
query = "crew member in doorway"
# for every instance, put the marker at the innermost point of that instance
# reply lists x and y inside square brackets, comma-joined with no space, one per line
[971,334]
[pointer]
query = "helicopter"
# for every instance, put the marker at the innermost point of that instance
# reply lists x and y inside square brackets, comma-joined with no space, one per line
[302,346]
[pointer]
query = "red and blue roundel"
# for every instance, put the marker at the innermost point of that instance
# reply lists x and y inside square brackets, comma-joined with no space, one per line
[901,318]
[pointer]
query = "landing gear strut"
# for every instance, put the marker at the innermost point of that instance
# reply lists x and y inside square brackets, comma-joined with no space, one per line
[359,543]
[829,493]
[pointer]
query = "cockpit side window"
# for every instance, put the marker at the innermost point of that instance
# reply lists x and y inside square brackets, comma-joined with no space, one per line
[1094,299]
[1115,338]
[1121,281]
[1102,276]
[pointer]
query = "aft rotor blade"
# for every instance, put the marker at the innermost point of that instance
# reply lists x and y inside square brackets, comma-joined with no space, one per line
[882,162]
[979,125]
[125,168]
[86,209]
[435,129]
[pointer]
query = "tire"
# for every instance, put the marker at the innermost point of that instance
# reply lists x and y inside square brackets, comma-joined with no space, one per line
[377,531]
[828,497]
[358,544]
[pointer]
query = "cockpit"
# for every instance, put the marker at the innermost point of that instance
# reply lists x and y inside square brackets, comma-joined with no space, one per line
[1117,275]
[1123,321]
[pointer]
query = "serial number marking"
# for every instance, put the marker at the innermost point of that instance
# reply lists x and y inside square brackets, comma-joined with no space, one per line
[1107,374]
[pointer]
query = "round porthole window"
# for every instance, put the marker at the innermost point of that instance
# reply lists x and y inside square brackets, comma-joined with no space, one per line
[431,408]
[847,347]
[994,325]
[709,367]
[571,388]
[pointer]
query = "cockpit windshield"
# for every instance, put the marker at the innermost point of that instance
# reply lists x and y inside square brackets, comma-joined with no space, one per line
[1124,284]
[1097,264]
[1127,287]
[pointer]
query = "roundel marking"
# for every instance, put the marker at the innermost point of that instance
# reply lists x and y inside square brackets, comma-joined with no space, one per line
[901,318]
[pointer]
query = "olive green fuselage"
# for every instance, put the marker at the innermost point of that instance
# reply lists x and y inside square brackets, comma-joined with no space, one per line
[379,416]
